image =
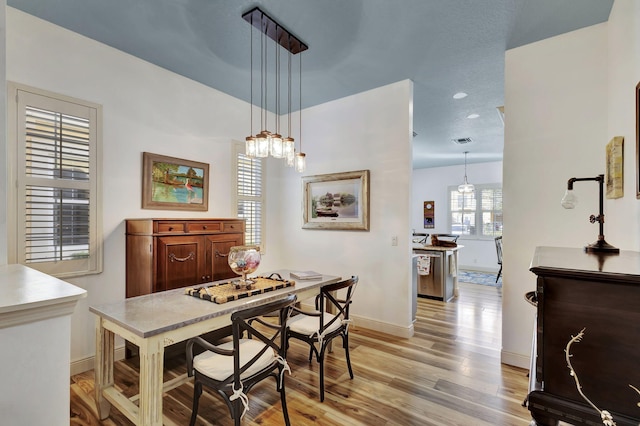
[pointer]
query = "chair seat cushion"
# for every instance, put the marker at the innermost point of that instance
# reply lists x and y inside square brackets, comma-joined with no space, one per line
[219,367]
[305,324]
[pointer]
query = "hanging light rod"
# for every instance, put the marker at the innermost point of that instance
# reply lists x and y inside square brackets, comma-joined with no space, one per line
[274,30]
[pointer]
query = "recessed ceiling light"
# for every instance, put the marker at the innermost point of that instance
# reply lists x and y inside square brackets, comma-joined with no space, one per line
[473,115]
[460,95]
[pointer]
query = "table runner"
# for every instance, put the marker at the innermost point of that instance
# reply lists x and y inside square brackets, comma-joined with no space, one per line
[226,291]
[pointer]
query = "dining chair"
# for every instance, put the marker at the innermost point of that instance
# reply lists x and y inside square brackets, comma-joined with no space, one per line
[233,368]
[498,241]
[319,328]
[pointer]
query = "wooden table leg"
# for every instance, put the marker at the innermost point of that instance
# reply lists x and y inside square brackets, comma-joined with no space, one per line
[103,368]
[151,381]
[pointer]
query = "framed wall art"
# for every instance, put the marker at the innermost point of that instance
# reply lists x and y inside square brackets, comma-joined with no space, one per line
[614,168]
[336,201]
[170,183]
[429,214]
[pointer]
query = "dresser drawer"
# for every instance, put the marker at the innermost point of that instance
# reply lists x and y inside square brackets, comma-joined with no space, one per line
[204,226]
[170,227]
[233,227]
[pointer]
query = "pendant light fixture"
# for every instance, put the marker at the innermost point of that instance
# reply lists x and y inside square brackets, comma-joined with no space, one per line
[250,141]
[262,138]
[301,157]
[288,143]
[267,142]
[465,187]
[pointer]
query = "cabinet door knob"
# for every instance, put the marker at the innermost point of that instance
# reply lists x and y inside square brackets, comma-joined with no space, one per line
[171,228]
[204,226]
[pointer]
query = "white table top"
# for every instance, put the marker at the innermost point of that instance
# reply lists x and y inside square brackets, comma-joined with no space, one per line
[156,313]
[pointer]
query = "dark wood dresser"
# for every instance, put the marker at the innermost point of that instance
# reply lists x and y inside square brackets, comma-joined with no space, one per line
[600,293]
[163,254]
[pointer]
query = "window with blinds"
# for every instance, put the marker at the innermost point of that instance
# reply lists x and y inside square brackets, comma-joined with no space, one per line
[57,198]
[249,195]
[477,214]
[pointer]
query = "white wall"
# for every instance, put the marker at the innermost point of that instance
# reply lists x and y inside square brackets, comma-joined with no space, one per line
[351,134]
[3,134]
[622,228]
[431,184]
[565,98]
[145,108]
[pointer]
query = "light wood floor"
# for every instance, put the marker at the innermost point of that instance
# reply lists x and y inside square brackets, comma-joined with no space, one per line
[449,373]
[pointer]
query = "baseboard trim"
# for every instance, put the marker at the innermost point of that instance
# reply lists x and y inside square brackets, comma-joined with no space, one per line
[476,268]
[370,324]
[383,327]
[86,364]
[514,359]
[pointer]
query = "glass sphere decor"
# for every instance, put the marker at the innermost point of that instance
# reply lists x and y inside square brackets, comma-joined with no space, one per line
[244,260]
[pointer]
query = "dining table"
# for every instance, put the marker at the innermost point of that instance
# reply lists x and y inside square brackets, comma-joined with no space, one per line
[157,320]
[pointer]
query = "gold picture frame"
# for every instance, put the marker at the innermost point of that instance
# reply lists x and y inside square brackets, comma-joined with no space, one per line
[615,168]
[170,183]
[336,201]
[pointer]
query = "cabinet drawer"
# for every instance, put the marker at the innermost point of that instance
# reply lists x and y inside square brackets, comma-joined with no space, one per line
[171,227]
[204,226]
[233,226]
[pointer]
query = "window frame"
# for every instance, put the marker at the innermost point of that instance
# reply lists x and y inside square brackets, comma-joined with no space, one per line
[239,148]
[477,212]
[20,181]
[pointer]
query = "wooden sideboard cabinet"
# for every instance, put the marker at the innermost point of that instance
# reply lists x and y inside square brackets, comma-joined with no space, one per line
[163,254]
[600,293]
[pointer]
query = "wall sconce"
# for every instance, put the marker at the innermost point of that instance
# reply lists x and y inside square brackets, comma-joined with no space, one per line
[569,201]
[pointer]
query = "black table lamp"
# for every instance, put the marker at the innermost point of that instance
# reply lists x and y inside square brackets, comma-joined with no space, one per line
[569,202]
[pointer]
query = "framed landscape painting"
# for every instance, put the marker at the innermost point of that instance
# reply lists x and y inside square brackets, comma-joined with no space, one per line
[336,201]
[170,183]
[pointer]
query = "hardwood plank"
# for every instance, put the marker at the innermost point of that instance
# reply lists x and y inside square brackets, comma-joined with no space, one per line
[449,373]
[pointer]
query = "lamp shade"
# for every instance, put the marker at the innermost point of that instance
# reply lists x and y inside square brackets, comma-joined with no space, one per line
[466,187]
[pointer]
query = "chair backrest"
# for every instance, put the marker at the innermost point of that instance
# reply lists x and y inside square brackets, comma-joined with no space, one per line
[341,306]
[272,335]
[498,241]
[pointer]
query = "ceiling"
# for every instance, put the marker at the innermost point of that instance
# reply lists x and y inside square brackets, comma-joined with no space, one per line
[443,46]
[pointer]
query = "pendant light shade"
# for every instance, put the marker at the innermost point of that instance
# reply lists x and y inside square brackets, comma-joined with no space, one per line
[301,162]
[465,187]
[250,146]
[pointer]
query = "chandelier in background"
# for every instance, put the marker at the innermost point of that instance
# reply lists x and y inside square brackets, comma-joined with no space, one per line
[465,187]
[271,143]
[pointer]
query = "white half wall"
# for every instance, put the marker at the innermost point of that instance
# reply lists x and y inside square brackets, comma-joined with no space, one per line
[431,184]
